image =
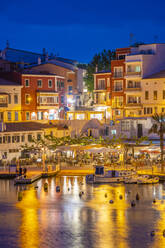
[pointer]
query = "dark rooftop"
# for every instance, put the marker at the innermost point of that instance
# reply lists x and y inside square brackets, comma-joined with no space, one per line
[7,82]
[28,126]
[160,74]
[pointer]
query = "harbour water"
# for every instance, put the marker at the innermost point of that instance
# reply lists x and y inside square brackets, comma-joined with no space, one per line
[64,219]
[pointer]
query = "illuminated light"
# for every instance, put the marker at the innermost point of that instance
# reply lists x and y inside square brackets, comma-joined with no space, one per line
[51,111]
[101,108]
[33,114]
[70,100]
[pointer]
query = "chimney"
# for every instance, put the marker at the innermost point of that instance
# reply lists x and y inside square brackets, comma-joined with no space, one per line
[47,57]
[96,68]
[7,44]
[39,60]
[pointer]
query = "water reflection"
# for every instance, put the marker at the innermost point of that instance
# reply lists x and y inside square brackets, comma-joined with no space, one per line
[64,219]
[29,229]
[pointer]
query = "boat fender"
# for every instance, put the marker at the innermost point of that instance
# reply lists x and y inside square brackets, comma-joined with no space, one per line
[154,200]
[105,195]
[45,186]
[152,233]
[133,203]
[80,194]
[57,188]
[68,189]
[111,201]
[120,197]
[20,196]
[164,233]
[137,197]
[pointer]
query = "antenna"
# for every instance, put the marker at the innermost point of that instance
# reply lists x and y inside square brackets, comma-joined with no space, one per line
[131,36]
[7,44]
[155,38]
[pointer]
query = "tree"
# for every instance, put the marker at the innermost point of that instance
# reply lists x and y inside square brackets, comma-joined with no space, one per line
[158,128]
[103,62]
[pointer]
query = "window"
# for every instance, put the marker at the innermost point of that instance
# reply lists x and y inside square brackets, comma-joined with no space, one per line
[50,83]
[118,72]
[13,139]
[101,84]
[17,138]
[118,85]
[0,140]
[29,137]
[39,83]
[27,83]
[38,136]
[16,116]
[27,98]
[15,99]
[69,88]
[137,68]
[155,94]
[9,99]
[156,109]
[23,138]
[27,116]
[147,111]
[107,131]
[8,139]
[146,95]
[9,116]
[163,94]
[125,126]
[62,99]
[117,112]
[108,82]
[62,84]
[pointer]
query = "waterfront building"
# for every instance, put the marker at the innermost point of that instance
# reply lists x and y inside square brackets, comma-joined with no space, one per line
[10,101]
[13,136]
[121,92]
[153,94]
[41,96]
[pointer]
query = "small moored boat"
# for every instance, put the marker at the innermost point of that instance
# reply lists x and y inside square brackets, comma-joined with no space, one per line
[108,176]
[147,180]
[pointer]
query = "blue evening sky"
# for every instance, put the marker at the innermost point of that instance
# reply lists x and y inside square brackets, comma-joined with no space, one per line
[78,29]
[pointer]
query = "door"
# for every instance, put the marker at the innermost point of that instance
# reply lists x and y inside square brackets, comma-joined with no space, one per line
[139,130]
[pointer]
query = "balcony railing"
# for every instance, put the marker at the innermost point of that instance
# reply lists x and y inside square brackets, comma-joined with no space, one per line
[118,74]
[137,88]
[101,88]
[118,88]
[117,104]
[3,105]
[132,73]
[133,103]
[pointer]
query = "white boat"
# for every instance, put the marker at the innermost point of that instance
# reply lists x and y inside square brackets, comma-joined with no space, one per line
[147,180]
[108,176]
[131,180]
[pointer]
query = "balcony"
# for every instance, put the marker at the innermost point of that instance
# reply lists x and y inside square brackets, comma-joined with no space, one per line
[133,104]
[133,74]
[100,89]
[118,74]
[3,105]
[117,88]
[117,104]
[132,89]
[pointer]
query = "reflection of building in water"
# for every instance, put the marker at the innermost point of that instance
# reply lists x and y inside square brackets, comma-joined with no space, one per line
[160,224]
[29,229]
[111,223]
